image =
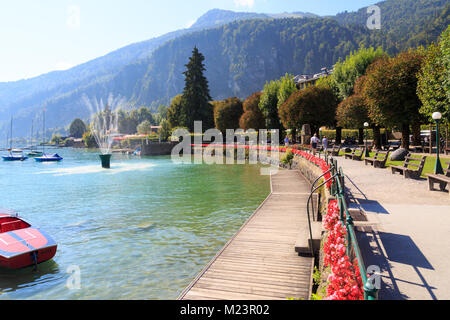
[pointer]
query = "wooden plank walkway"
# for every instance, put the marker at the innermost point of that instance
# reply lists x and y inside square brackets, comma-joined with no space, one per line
[260,262]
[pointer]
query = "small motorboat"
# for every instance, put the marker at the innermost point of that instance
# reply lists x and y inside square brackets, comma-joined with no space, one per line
[34,154]
[48,158]
[22,245]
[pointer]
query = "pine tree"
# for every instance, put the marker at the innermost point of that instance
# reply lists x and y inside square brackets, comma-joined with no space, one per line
[196,97]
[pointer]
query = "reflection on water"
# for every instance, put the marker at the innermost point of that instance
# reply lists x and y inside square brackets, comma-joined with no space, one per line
[12,280]
[141,230]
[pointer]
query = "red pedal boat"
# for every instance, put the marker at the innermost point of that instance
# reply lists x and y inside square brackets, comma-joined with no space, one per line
[22,245]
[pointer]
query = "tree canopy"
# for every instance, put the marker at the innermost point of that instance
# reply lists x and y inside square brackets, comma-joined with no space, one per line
[227,114]
[352,112]
[128,121]
[268,104]
[354,66]
[252,117]
[390,91]
[195,100]
[77,128]
[175,115]
[445,49]
[315,105]
[144,127]
[432,87]
[287,87]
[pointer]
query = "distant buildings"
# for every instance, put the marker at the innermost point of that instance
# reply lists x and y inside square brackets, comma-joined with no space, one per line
[305,80]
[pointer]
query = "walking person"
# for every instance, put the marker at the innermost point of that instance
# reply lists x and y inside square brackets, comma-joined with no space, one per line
[286,141]
[314,142]
[325,143]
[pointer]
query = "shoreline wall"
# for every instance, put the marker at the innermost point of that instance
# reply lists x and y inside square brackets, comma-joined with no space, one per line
[158,149]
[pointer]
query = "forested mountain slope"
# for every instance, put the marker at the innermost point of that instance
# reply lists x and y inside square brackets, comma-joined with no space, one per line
[241,55]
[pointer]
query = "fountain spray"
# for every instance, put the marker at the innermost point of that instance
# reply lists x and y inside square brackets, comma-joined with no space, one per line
[104,122]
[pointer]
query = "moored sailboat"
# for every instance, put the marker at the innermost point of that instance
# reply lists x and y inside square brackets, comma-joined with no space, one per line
[14,154]
[47,157]
[33,153]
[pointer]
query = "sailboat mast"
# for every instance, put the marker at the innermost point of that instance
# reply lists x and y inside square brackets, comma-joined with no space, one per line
[10,137]
[43,132]
[31,137]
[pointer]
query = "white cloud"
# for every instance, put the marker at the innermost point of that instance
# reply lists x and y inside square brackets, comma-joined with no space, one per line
[73,17]
[244,3]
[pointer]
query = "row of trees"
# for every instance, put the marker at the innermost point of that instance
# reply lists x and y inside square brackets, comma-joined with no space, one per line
[398,92]
[128,122]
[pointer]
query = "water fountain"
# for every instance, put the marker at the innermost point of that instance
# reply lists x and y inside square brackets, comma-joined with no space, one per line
[104,125]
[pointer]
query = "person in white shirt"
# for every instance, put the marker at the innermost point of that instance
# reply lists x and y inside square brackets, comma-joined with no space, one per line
[325,143]
[314,142]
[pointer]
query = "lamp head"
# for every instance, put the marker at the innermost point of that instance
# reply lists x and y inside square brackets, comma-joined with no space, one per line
[366,124]
[437,116]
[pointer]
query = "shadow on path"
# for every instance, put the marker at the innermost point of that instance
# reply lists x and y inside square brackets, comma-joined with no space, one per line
[380,249]
[351,193]
[372,206]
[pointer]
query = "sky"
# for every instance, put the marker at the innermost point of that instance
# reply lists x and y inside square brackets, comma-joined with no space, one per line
[37,37]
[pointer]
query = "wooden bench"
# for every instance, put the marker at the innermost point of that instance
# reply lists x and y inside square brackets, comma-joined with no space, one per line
[335,151]
[356,154]
[379,160]
[408,172]
[442,179]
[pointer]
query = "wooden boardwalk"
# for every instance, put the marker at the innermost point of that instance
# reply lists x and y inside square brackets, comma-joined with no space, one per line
[260,262]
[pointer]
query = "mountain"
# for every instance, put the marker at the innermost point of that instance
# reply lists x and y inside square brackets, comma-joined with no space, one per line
[403,22]
[242,50]
[217,17]
[25,98]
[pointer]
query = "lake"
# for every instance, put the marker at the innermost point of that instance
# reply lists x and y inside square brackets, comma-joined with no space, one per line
[142,230]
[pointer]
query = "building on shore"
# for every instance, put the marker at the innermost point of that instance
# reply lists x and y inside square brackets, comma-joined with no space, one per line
[305,80]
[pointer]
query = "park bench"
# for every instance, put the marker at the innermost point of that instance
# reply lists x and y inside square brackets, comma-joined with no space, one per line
[379,160]
[334,151]
[356,154]
[409,172]
[442,179]
[447,151]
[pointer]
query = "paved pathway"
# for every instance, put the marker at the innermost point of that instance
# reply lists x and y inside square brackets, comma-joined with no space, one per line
[260,262]
[410,238]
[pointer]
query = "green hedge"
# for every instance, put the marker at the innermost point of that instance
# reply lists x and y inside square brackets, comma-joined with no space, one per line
[348,133]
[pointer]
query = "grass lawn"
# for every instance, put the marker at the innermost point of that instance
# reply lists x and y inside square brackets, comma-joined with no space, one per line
[429,163]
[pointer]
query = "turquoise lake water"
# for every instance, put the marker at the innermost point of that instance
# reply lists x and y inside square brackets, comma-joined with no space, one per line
[142,230]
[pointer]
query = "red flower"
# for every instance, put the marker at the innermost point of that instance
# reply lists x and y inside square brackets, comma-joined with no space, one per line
[345,280]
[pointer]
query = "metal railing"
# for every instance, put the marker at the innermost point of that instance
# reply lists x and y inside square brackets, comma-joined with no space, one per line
[353,250]
[337,190]
[313,190]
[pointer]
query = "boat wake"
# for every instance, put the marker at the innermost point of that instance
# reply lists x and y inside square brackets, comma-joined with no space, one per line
[115,169]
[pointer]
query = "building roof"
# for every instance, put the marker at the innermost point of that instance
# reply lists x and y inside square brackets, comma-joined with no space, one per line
[307,77]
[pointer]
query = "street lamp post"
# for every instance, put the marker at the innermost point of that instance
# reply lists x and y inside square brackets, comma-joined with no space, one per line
[366,151]
[438,167]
